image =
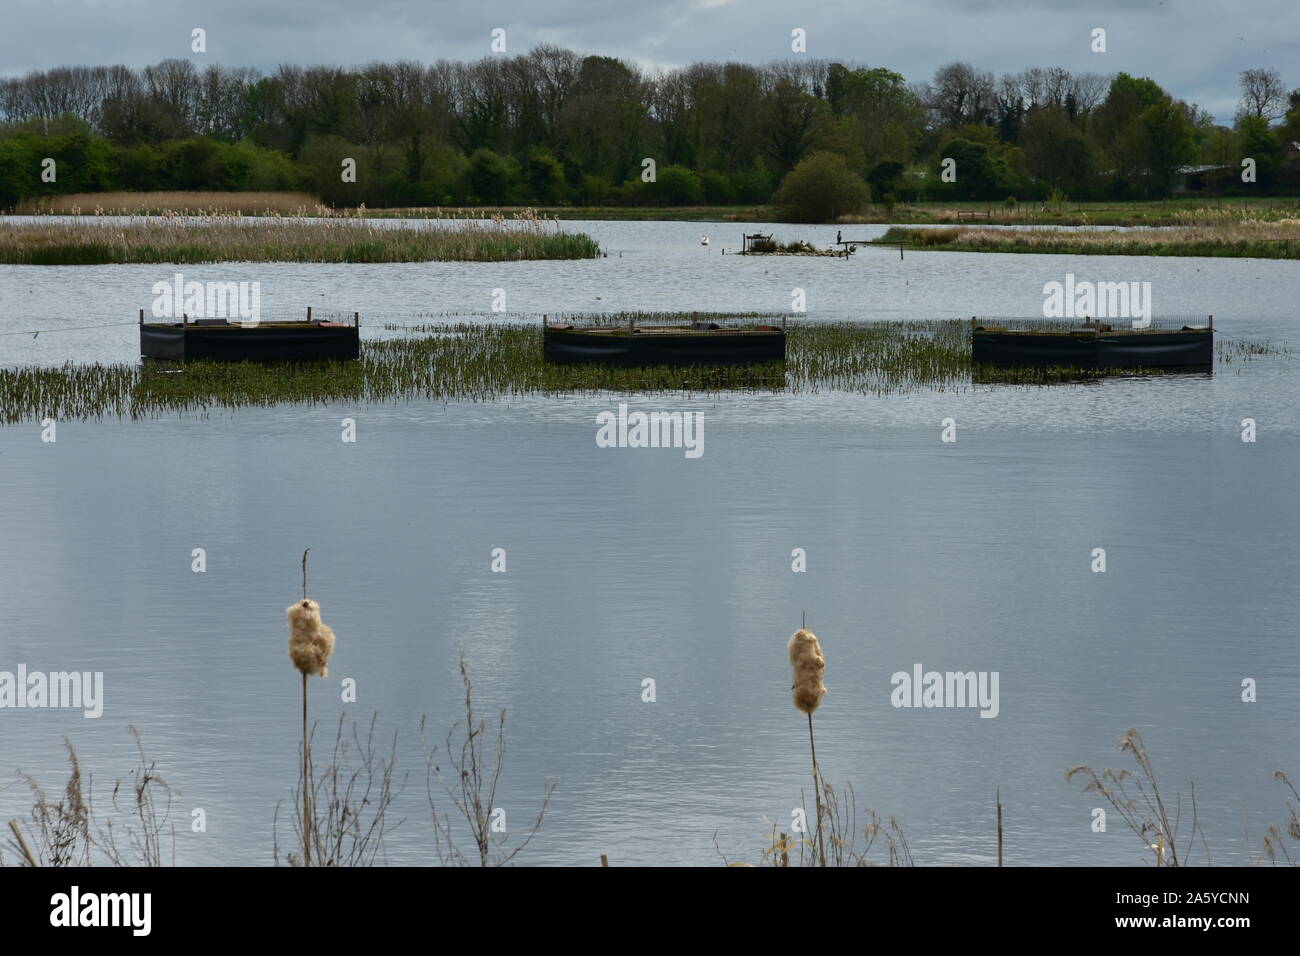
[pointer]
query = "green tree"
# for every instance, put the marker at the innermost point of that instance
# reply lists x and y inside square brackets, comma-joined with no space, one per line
[1057,152]
[982,171]
[194,163]
[1141,91]
[821,188]
[1169,141]
[792,117]
[489,176]
[888,118]
[718,190]
[544,174]
[677,186]
[1257,141]
[16,165]
[885,178]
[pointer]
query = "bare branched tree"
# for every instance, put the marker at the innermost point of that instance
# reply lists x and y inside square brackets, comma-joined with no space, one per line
[1262,94]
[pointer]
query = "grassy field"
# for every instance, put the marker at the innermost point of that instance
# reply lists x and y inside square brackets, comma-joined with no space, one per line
[477,362]
[221,238]
[1226,233]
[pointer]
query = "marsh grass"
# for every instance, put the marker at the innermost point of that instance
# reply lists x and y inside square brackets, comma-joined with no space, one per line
[182,203]
[1208,236]
[850,837]
[67,830]
[1138,799]
[226,238]
[1275,848]
[461,361]
[1160,212]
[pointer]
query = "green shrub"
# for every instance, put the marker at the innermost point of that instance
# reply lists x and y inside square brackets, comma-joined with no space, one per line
[821,188]
[718,190]
[677,186]
[490,176]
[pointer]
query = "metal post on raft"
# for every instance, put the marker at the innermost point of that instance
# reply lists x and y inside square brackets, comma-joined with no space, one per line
[308,313]
[356,319]
[543,321]
[142,316]
[184,318]
[1211,325]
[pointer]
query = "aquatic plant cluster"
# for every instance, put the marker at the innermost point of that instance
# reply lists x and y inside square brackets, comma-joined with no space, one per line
[227,238]
[463,361]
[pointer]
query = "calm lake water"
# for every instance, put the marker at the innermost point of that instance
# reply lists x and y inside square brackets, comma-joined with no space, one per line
[627,564]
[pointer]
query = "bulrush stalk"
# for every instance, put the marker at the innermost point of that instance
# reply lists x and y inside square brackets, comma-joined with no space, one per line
[311,643]
[807,665]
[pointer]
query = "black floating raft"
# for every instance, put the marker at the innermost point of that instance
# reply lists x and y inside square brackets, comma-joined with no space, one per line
[702,343]
[221,341]
[1093,347]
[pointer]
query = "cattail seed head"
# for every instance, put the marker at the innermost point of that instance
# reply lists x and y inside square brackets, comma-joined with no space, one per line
[310,641]
[807,665]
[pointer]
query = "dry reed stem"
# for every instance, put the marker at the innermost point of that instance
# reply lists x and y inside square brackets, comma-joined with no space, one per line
[22,844]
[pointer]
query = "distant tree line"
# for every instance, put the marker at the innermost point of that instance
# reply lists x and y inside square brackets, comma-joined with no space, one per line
[555,127]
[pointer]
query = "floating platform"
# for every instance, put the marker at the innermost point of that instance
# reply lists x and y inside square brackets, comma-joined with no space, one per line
[217,340]
[1095,346]
[702,343]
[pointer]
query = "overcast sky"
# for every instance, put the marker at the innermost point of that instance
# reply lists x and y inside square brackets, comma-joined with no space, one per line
[1194,48]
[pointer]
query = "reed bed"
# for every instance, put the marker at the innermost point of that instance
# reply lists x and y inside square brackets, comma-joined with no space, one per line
[1158,212]
[163,203]
[1227,237]
[225,238]
[481,362]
